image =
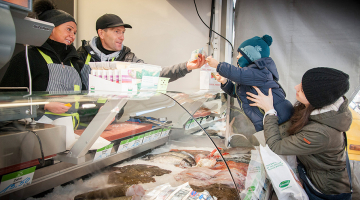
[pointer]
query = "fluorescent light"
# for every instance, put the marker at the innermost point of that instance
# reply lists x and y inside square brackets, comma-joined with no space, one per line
[22,104]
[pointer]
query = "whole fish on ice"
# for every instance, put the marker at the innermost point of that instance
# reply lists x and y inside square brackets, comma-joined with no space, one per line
[135,174]
[175,158]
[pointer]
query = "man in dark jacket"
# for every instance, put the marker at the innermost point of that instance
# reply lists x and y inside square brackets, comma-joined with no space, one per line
[108,46]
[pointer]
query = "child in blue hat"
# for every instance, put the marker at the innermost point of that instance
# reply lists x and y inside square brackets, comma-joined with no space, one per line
[256,68]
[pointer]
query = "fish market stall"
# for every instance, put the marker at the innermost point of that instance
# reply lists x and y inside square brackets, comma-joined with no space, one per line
[143,145]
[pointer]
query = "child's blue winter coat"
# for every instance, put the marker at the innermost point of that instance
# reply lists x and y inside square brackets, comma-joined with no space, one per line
[261,74]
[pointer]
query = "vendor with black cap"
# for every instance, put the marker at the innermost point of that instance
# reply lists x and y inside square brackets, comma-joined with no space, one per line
[108,46]
[54,66]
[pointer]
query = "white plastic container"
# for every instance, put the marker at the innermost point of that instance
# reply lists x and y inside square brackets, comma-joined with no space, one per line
[110,76]
[116,78]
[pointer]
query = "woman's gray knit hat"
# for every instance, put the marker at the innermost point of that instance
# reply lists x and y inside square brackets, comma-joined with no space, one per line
[323,86]
[46,11]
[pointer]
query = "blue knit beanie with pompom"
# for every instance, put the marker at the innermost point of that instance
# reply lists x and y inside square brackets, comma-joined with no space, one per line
[254,49]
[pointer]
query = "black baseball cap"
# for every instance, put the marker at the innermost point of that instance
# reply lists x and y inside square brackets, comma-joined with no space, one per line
[110,20]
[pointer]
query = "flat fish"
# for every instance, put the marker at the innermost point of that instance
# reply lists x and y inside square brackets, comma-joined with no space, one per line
[112,192]
[135,174]
[125,198]
[221,191]
[122,198]
[224,177]
[149,170]
[201,176]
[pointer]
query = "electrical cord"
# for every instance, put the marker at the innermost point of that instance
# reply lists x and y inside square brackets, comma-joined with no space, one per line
[42,160]
[232,47]
[28,69]
[227,166]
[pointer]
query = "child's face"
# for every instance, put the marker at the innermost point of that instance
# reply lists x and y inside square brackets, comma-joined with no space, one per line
[239,56]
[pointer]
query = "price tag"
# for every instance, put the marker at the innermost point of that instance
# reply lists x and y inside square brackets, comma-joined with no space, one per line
[203,120]
[148,137]
[103,152]
[165,132]
[132,142]
[135,141]
[194,124]
[16,180]
[140,140]
[156,135]
[187,125]
[199,120]
[123,146]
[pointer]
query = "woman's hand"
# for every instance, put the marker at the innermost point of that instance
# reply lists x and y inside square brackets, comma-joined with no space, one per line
[56,107]
[262,101]
[212,62]
[220,79]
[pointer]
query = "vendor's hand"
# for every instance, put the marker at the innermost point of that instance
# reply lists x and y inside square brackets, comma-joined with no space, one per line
[56,107]
[220,79]
[196,64]
[212,62]
[262,101]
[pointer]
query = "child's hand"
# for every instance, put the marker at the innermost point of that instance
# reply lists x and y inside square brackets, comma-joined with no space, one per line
[220,79]
[212,62]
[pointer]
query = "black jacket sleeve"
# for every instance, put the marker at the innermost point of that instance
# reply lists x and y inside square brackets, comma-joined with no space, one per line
[174,72]
[82,52]
[17,74]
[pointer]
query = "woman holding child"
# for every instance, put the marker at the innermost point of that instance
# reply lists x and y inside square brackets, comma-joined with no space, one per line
[315,134]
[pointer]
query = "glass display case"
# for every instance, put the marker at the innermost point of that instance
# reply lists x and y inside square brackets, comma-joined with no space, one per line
[120,137]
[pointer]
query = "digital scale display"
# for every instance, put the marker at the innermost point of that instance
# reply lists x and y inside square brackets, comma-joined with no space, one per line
[20,4]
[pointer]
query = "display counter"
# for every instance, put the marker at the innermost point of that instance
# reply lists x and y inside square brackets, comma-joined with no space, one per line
[184,135]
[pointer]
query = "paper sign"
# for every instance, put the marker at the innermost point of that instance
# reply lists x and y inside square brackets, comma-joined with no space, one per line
[165,132]
[123,146]
[132,142]
[187,125]
[163,83]
[16,180]
[203,120]
[103,152]
[192,123]
[148,137]
[139,140]
[156,135]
